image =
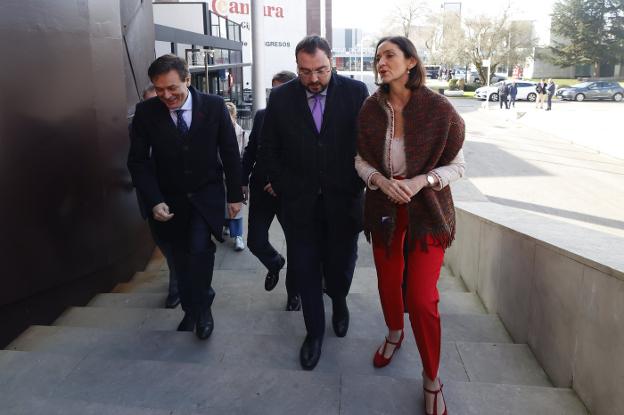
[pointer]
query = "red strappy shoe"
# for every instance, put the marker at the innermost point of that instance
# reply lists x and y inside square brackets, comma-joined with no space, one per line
[379,360]
[435,400]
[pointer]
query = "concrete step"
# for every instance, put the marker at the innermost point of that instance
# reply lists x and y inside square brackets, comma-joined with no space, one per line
[185,388]
[242,299]
[35,405]
[364,281]
[455,327]
[482,362]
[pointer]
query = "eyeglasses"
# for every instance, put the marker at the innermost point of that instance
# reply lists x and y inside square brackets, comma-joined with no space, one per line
[308,73]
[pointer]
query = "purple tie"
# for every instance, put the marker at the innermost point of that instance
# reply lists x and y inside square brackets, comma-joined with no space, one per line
[317,112]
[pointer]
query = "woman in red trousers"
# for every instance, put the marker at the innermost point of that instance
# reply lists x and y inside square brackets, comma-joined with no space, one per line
[409,150]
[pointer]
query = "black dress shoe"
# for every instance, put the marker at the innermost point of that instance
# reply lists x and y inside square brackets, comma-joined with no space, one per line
[340,317]
[293,303]
[310,352]
[205,325]
[172,301]
[272,277]
[187,323]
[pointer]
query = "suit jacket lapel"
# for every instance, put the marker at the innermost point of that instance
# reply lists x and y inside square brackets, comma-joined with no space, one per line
[198,115]
[166,123]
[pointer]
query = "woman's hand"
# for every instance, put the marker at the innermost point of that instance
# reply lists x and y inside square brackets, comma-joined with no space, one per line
[416,184]
[397,191]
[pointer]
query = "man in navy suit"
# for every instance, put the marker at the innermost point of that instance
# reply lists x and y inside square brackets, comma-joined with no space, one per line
[181,143]
[308,148]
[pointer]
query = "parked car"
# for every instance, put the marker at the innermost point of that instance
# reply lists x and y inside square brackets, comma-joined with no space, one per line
[432,71]
[526,91]
[459,74]
[592,90]
[474,78]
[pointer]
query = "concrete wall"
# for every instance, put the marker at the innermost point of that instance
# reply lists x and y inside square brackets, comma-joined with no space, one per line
[557,287]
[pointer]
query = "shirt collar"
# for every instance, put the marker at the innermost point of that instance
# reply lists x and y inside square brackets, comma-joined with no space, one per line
[323,93]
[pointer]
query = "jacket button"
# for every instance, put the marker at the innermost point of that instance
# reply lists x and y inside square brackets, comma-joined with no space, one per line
[185,148]
[189,195]
[187,172]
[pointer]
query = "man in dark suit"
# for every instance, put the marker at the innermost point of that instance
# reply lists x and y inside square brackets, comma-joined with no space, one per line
[181,143]
[264,206]
[308,146]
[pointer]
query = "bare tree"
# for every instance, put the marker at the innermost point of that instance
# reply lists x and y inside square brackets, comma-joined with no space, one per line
[408,13]
[500,40]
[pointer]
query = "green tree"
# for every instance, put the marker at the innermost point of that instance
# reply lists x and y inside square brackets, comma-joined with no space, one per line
[591,32]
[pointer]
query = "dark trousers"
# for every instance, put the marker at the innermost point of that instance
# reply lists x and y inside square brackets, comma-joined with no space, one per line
[549,101]
[503,99]
[318,251]
[512,101]
[194,261]
[262,209]
[167,250]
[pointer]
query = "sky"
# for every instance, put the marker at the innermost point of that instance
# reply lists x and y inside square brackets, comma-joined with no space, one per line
[369,14]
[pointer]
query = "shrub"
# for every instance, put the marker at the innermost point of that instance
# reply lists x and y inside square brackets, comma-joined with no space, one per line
[461,84]
[470,87]
[453,84]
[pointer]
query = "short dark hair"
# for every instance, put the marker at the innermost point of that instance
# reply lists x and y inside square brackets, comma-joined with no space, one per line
[310,44]
[283,77]
[417,75]
[167,63]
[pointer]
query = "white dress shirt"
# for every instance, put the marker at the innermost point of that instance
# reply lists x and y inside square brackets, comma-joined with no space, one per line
[187,114]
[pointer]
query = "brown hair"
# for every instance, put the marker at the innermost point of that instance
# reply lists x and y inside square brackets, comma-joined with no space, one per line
[417,74]
[167,63]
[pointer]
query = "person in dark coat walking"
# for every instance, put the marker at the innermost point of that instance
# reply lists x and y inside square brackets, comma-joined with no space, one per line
[550,90]
[503,91]
[308,145]
[513,92]
[181,144]
[264,206]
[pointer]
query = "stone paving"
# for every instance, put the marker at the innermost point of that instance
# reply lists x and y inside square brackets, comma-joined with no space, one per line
[121,355]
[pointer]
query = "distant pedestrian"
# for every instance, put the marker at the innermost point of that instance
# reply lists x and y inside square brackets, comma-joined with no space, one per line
[503,91]
[550,90]
[540,88]
[513,92]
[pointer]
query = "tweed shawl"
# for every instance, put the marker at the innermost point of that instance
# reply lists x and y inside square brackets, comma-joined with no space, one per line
[434,134]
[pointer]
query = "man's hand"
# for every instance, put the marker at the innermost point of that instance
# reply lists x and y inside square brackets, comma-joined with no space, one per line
[161,212]
[245,190]
[233,209]
[268,188]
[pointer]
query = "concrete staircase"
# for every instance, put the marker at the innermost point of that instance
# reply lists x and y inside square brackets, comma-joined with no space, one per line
[121,355]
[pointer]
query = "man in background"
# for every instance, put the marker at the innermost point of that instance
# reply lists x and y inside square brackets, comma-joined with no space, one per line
[264,206]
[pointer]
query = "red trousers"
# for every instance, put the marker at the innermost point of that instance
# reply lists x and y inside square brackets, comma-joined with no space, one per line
[422,293]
